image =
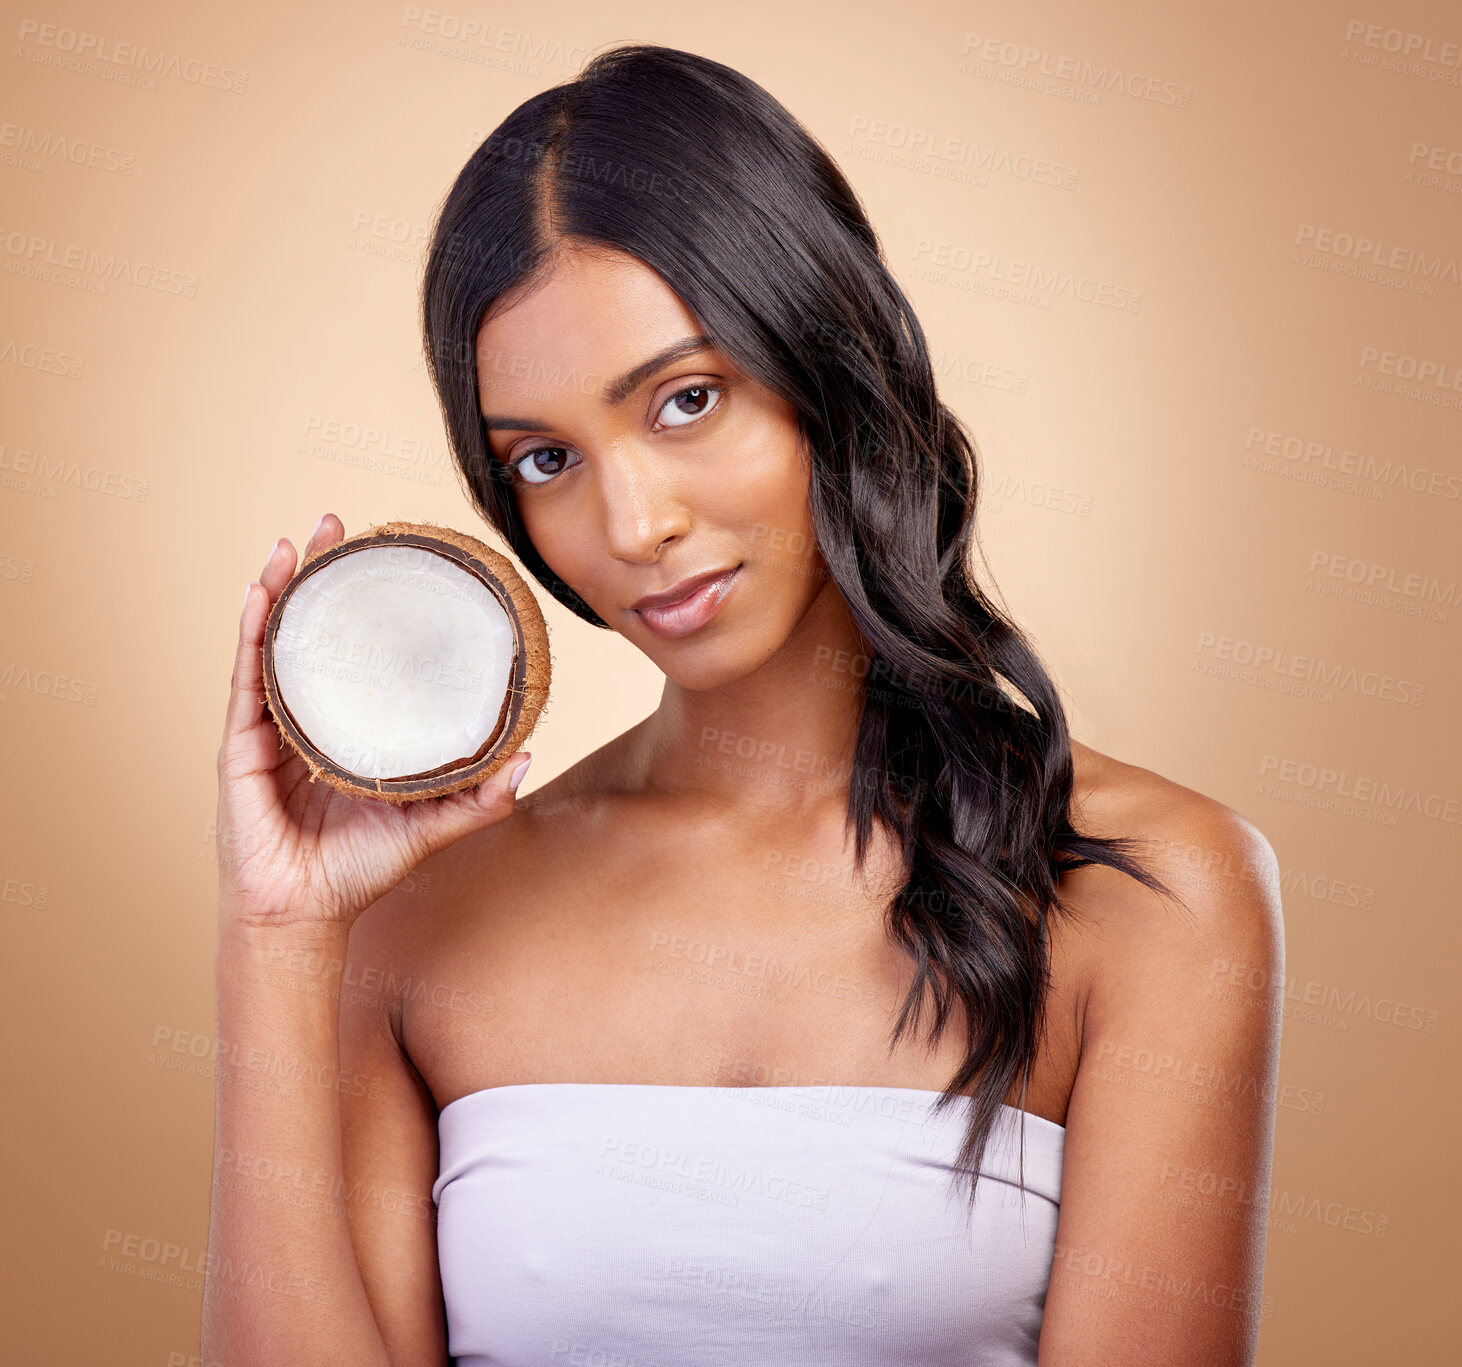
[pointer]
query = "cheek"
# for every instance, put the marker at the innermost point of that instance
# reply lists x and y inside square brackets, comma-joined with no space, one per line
[567,555]
[764,498]
[786,541]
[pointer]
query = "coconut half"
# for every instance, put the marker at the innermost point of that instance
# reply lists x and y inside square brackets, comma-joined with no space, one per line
[406,662]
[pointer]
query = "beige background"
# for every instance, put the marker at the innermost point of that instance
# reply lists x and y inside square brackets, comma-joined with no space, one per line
[159,428]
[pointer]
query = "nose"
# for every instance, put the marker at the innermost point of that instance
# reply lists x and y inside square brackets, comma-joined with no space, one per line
[642,510]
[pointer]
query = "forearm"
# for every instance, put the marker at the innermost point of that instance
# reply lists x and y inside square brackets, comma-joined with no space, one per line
[283,1284]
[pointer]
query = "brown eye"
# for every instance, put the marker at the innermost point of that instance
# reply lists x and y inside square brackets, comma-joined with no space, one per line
[541,464]
[689,404]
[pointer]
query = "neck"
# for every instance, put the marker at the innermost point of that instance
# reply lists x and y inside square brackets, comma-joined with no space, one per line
[780,739]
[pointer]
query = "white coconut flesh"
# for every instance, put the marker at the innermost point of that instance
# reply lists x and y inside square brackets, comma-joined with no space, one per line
[394,661]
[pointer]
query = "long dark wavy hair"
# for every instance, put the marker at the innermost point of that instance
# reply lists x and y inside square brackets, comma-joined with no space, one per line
[697,171]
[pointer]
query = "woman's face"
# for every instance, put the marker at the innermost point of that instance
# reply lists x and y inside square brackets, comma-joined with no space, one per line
[634,475]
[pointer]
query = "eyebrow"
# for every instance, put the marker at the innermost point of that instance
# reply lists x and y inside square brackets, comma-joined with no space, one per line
[619,390]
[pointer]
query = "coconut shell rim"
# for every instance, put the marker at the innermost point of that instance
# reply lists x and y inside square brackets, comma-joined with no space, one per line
[529,677]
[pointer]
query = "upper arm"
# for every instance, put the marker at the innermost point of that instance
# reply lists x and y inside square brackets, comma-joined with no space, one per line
[389,1156]
[1169,1137]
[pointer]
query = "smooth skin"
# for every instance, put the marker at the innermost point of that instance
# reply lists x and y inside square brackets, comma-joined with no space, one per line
[569,942]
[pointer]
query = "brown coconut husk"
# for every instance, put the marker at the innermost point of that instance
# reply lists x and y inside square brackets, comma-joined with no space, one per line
[529,676]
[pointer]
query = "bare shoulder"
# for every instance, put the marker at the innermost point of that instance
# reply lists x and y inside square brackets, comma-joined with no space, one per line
[1177,1079]
[1221,870]
[449,894]
[1212,857]
[549,824]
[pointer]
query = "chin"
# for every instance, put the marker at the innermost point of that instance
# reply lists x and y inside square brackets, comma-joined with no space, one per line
[711,657]
[701,670]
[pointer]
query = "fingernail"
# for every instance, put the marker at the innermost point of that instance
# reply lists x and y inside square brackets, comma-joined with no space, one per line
[518,773]
[248,588]
[318,525]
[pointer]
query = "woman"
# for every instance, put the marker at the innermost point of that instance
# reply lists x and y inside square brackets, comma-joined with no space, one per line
[635,1070]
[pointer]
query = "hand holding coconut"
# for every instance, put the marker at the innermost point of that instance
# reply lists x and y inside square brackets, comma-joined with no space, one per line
[381,692]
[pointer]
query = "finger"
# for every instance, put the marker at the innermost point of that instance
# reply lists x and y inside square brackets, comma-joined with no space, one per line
[279,568]
[247,703]
[435,824]
[246,695]
[329,531]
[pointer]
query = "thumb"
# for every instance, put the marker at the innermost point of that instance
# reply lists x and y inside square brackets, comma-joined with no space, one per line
[446,820]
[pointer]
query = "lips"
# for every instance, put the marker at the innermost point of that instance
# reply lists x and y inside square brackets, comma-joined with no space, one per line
[687,606]
[678,592]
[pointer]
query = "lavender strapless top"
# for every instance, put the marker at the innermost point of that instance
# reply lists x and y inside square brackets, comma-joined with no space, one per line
[650,1225]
